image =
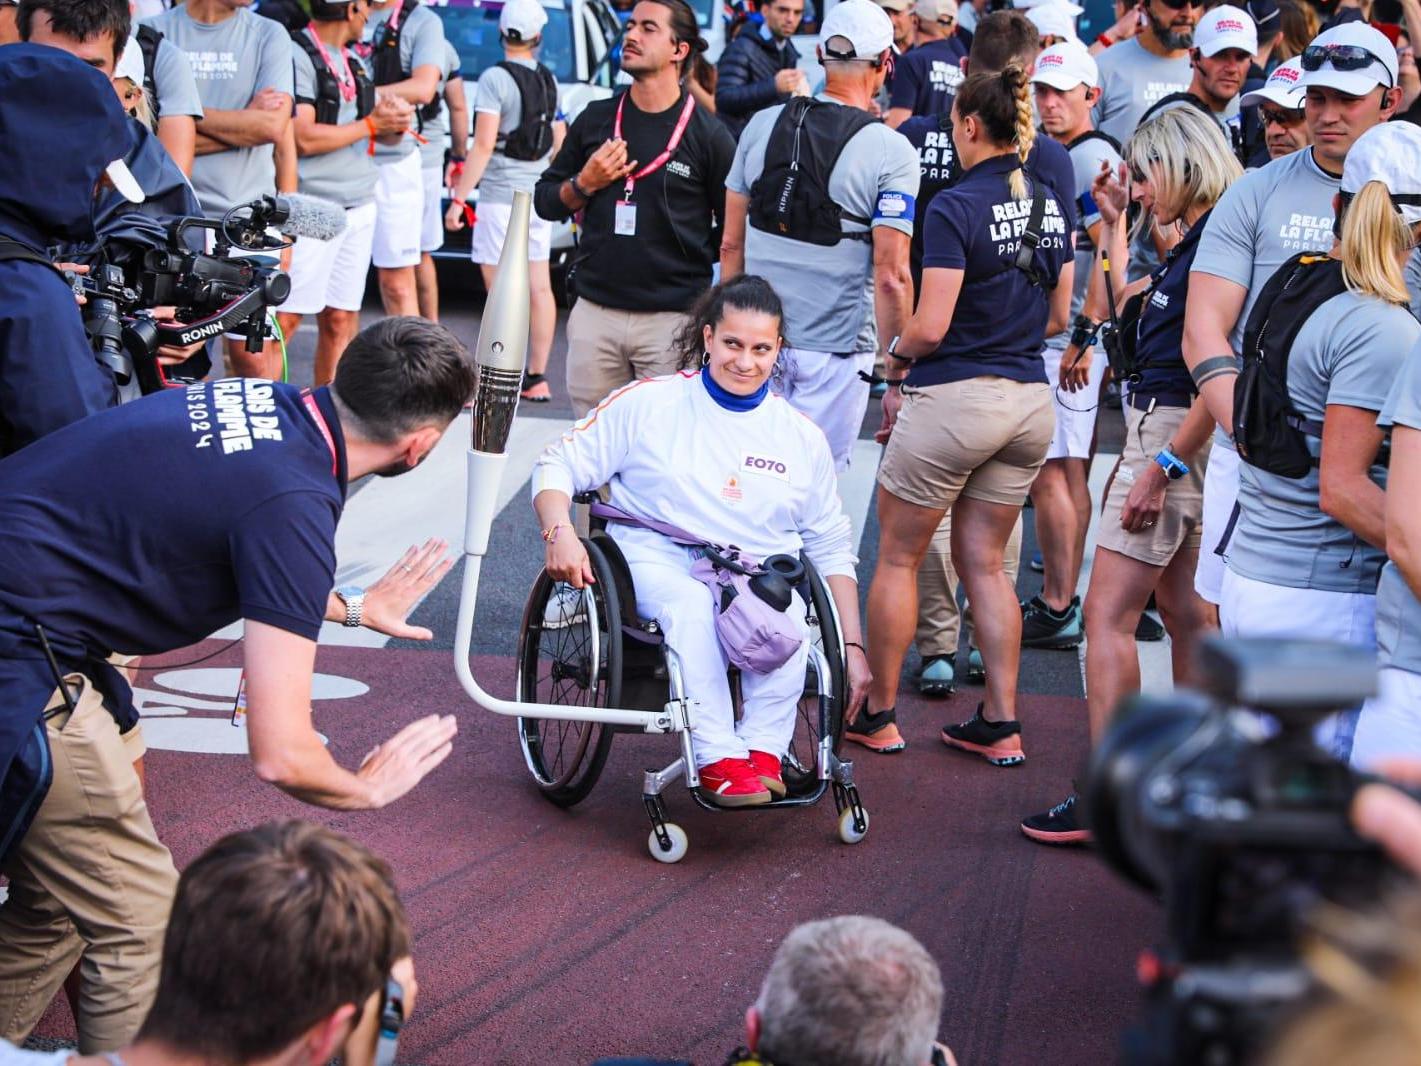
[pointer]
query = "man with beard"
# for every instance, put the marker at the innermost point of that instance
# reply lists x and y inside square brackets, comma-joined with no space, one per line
[1138,73]
[1224,43]
[231,514]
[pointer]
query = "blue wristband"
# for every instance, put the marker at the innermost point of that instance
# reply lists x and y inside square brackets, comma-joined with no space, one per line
[1173,466]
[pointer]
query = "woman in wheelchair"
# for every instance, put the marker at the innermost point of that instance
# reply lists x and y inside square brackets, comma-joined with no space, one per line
[712,452]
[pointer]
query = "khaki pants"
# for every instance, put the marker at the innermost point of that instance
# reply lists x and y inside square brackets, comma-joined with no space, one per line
[608,348]
[90,878]
[939,620]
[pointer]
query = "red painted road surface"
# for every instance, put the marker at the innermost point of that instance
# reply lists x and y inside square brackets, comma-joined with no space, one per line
[551,937]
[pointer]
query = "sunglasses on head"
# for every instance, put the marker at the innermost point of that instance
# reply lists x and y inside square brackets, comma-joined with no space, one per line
[1280,116]
[1344,57]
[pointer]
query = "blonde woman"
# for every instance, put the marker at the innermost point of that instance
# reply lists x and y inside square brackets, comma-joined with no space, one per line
[1306,553]
[968,417]
[1176,166]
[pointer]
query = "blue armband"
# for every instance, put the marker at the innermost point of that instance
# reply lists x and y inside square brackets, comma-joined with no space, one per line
[1173,466]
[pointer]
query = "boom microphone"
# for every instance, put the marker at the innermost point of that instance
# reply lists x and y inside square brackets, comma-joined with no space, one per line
[291,214]
[310,216]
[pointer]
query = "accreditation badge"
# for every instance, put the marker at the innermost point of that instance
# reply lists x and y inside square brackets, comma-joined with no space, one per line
[624,224]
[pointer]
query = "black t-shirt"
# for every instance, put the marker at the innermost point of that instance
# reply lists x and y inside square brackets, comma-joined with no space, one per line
[999,322]
[147,527]
[1160,337]
[939,169]
[679,206]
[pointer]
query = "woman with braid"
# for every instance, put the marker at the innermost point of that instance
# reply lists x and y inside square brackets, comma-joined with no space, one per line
[968,417]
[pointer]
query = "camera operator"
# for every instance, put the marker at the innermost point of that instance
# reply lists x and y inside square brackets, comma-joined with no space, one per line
[232,515]
[75,134]
[336,949]
[1266,217]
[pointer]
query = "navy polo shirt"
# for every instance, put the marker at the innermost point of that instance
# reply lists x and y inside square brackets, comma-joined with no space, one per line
[925,79]
[999,324]
[150,526]
[939,169]
[1160,331]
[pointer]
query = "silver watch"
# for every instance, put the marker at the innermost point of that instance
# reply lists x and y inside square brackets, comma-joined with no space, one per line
[353,596]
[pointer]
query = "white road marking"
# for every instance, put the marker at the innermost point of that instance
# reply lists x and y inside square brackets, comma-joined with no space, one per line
[857,484]
[1156,669]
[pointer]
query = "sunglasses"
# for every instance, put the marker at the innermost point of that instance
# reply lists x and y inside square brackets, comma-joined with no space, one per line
[1271,116]
[1344,57]
[1180,5]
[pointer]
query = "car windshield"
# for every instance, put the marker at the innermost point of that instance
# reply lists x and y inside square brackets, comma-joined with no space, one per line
[705,11]
[472,28]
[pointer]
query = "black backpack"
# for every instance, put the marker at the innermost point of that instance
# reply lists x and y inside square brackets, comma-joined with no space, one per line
[148,41]
[385,63]
[538,96]
[1269,431]
[327,102]
[791,196]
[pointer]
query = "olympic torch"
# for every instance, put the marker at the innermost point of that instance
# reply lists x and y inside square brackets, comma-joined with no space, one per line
[500,354]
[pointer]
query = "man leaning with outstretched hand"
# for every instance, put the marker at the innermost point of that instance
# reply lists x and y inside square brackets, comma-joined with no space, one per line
[143,529]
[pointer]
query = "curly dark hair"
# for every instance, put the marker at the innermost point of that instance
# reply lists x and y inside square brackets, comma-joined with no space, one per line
[747,292]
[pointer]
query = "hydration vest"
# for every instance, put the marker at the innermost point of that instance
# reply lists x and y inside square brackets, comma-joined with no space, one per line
[148,40]
[791,196]
[328,99]
[538,96]
[385,61]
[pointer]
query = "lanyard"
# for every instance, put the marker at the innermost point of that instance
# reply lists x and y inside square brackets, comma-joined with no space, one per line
[344,79]
[671,145]
[320,420]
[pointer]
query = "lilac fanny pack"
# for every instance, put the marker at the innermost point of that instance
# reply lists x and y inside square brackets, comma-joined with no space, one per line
[752,599]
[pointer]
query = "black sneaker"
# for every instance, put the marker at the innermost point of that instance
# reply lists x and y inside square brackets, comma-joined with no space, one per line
[997,742]
[1060,825]
[1148,630]
[1042,627]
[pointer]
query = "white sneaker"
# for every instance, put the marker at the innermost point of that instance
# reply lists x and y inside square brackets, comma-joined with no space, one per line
[567,606]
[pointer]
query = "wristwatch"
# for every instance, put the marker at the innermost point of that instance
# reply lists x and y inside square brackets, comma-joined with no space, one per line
[353,596]
[1174,467]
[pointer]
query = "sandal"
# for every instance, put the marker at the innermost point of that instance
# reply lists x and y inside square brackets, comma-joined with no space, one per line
[877,732]
[536,389]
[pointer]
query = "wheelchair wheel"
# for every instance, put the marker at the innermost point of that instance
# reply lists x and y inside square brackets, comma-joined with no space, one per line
[570,654]
[800,763]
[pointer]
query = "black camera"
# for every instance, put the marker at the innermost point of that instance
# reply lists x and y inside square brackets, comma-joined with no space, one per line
[1223,804]
[213,293]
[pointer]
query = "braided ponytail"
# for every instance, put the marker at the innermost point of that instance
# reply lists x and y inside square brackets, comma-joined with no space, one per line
[1016,82]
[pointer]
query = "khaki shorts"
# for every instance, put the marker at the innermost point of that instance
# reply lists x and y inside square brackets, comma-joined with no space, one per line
[1180,524]
[984,438]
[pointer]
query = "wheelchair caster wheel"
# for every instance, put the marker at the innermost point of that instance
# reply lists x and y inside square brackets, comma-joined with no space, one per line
[848,832]
[680,844]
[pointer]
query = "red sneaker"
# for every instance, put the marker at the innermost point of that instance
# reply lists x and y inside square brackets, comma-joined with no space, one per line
[733,783]
[767,768]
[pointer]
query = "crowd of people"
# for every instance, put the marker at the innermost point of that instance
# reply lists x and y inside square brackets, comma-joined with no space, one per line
[1209,213]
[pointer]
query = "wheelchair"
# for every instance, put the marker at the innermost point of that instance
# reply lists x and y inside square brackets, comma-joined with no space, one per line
[588,648]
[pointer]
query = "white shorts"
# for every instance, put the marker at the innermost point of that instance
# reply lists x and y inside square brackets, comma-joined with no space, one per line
[332,273]
[1390,722]
[1252,608]
[486,244]
[1075,411]
[826,388]
[1220,495]
[431,230]
[399,204]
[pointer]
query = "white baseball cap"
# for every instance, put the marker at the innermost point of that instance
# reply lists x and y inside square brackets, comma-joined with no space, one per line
[936,10]
[1284,87]
[1226,27]
[1064,66]
[1027,5]
[1381,71]
[863,24]
[1391,154]
[1054,20]
[130,64]
[522,20]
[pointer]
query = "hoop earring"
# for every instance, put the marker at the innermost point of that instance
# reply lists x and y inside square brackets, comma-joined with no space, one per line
[705,358]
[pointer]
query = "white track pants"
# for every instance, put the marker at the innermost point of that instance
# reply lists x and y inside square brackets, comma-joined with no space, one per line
[666,591]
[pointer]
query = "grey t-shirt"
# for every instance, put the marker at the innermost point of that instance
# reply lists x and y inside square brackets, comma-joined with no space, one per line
[822,288]
[231,61]
[172,78]
[1263,220]
[347,175]
[1086,158]
[421,45]
[497,94]
[1132,80]
[1349,352]
[1398,611]
[436,130]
